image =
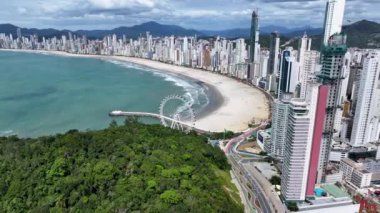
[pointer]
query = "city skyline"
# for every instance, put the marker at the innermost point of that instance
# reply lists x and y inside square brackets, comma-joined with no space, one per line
[200,15]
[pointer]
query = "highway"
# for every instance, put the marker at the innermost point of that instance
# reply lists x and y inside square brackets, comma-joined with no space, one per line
[250,185]
[250,180]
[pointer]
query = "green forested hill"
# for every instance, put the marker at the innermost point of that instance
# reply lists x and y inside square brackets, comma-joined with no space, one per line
[132,168]
[362,34]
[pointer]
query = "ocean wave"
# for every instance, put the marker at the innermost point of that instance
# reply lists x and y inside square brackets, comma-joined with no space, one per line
[195,92]
[167,76]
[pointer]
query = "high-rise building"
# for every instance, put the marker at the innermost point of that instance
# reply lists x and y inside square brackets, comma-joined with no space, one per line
[254,43]
[273,62]
[280,112]
[333,18]
[254,51]
[264,58]
[289,72]
[274,53]
[302,144]
[365,113]
[308,68]
[317,103]
[308,61]
[335,67]
[19,35]
[297,153]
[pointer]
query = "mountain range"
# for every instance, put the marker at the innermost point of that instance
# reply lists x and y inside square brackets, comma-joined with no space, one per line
[155,29]
[245,32]
[361,34]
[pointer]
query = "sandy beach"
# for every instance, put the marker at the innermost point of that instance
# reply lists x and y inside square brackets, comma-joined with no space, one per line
[241,103]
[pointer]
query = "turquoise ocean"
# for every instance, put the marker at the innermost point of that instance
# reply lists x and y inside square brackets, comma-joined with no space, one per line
[45,94]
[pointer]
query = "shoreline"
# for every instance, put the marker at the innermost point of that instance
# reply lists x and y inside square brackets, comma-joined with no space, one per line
[216,99]
[240,103]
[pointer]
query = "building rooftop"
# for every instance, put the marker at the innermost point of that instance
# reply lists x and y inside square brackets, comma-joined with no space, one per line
[364,171]
[347,208]
[334,191]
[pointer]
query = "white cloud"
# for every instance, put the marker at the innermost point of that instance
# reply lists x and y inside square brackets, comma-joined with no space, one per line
[21,10]
[114,4]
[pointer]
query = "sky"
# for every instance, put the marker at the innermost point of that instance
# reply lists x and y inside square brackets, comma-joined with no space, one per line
[195,14]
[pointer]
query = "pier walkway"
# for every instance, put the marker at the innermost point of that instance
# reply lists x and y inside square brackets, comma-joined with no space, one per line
[156,116]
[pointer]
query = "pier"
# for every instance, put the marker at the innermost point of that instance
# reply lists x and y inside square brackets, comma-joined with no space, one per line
[118,113]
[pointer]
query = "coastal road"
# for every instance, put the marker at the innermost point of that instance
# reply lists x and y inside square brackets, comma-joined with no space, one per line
[250,186]
[234,141]
[248,176]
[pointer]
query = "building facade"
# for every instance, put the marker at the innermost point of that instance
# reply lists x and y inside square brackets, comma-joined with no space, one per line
[296,153]
[365,123]
[333,18]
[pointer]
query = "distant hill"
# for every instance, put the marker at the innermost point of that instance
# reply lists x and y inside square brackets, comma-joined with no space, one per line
[308,31]
[154,28]
[12,29]
[157,29]
[363,34]
[230,33]
[245,32]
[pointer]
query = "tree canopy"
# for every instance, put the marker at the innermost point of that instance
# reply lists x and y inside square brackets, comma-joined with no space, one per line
[135,167]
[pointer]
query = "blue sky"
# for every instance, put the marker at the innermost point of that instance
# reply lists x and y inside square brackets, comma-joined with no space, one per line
[196,14]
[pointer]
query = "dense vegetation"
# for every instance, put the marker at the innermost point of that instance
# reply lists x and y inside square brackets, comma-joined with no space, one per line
[275,180]
[135,167]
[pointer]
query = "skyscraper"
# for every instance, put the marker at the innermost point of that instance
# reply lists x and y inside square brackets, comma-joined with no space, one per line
[317,100]
[333,18]
[19,33]
[289,71]
[297,152]
[335,64]
[335,67]
[309,66]
[254,43]
[307,60]
[274,49]
[264,58]
[280,112]
[254,51]
[364,121]
[302,144]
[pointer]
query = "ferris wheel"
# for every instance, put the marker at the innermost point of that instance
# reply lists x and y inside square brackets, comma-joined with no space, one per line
[177,113]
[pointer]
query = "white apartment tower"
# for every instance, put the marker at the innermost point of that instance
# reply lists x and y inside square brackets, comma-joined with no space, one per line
[297,152]
[273,62]
[333,18]
[264,59]
[365,112]
[309,66]
[308,61]
[302,144]
[280,112]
